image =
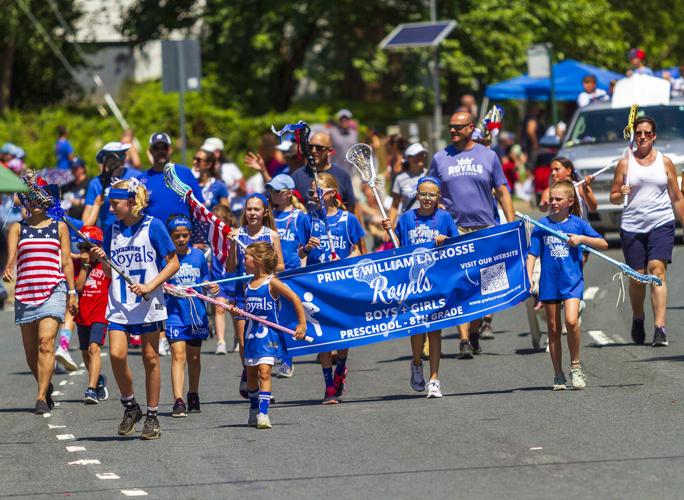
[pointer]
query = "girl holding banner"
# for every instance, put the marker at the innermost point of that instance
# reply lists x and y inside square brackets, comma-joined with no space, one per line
[262,343]
[561,283]
[256,224]
[422,225]
[346,232]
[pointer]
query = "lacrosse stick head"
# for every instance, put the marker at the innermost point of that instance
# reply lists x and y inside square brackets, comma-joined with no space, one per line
[184,293]
[361,156]
[491,124]
[174,183]
[648,279]
[365,272]
[422,261]
[41,194]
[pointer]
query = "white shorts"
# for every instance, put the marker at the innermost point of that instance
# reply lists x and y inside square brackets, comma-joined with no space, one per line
[266,360]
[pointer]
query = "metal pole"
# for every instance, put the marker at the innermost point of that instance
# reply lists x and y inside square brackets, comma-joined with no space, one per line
[437,113]
[181,99]
[552,90]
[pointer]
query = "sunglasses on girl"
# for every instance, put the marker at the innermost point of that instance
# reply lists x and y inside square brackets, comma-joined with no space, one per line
[313,192]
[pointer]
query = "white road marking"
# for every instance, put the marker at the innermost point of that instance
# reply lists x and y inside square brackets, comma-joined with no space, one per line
[136,492]
[85,461]
[600,337]
[591,292]
[77,372]
[65,437]
[72,449]
[57,405]
[52,426]
[57,393]
[63,382]
[107,475]
[47,415]
[71,383]
[536,448]
[82,365]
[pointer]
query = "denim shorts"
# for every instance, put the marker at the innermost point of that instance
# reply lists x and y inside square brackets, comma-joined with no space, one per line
[53,307]
[91,334]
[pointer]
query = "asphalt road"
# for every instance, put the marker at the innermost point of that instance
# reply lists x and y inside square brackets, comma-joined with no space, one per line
[498,432]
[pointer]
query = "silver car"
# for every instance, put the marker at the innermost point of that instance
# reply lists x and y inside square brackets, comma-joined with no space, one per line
[595,140]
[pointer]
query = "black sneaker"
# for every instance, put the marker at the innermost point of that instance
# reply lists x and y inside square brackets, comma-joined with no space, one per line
[193,403]
[151,429]
[475,343]
[48,396]
[179,409]
[660,337]
[102,392]
[131,417]
[638,332]
[466,350]
[41,407]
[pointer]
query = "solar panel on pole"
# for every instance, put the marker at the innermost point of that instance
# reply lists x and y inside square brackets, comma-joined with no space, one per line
[409,35]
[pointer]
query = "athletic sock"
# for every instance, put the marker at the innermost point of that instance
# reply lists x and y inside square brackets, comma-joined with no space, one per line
[341,365]
[152,411]
[129,401]
[264,402]
[64,336]
[328,376]
[638,318]
[253,400]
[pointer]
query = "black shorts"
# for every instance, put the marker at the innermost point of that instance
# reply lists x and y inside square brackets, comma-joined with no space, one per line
[93,334]
[191,343]
[640,248]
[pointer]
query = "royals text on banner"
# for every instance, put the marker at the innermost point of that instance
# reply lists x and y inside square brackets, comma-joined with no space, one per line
[416,289]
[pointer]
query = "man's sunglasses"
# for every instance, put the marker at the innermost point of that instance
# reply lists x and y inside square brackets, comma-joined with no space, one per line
[458,126]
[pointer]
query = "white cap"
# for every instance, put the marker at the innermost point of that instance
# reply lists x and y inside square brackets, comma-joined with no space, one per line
[284,146]
[343,113]
[415,149]
[212,144]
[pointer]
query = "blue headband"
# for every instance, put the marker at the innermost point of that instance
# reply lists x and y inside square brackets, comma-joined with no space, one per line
[120,194]
[428,178]
[257,195]
[176,222]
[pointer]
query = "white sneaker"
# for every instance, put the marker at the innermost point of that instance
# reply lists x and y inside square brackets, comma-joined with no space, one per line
[263,422]
[417,379]
[285,371]
[221,349]
[434,389]
[578,379]
[164,347]
[252,420]
[64,358]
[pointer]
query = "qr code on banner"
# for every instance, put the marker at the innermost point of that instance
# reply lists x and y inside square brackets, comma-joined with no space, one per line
[493,279]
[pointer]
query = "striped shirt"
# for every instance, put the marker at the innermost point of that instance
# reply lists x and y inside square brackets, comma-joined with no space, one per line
[39,263]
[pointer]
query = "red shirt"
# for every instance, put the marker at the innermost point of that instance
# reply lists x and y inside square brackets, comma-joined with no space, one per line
[92,301]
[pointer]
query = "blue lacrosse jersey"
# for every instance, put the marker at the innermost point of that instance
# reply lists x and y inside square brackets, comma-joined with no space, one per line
[561,264]
[345,229]
[261,340]
[188,312]
[264,234]
[413,228]
[287,224]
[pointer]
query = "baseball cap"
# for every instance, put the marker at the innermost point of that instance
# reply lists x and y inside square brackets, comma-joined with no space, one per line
[415,149]
[639,53]
[212,144]
[281,181]
[94,233]
[343,113]
[78,162]
[162,137]
[116,148]
[284,146]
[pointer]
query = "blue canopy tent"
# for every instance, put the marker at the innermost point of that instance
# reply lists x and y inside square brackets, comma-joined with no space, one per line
[567,76]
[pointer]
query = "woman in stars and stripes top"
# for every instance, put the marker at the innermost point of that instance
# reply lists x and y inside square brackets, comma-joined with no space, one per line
[40,247]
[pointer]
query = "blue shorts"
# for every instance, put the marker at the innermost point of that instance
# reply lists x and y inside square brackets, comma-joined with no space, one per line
[640,248]
[53,307]
[93,334]
[139,329]
[174,333]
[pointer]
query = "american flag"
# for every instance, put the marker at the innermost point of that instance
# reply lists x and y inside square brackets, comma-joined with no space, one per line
[209,229]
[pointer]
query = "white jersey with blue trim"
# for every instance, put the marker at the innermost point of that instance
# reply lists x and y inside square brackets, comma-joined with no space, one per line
[136,257]
[261,340]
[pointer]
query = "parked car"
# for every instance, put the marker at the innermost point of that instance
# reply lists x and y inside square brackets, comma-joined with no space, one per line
[595,140]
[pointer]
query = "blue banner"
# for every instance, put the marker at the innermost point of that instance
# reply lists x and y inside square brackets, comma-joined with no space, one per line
[416,289]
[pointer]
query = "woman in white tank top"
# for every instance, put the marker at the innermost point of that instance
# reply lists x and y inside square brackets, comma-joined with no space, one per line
[649,180]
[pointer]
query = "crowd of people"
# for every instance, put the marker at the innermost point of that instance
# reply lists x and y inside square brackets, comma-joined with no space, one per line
[283,218]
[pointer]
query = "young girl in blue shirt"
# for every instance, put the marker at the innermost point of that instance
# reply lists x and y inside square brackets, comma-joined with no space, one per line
[561,282]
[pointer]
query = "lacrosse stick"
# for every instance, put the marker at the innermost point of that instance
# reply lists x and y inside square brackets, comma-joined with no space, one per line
[301,133]
[361,156]
[628,133]
[595,174]
[624,268]
[175,184]
[225,280]
[42,198]
[492,121]
[188,293]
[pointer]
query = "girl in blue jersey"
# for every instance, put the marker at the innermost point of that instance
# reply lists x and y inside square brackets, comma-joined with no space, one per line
[421,225]
[139,245]
[561,283]
[288,214]
[263,344]
[346,232]
[187,324]
[256,224]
